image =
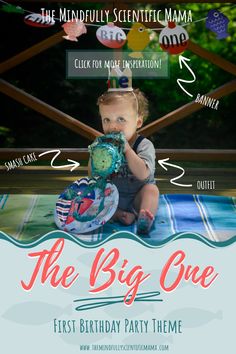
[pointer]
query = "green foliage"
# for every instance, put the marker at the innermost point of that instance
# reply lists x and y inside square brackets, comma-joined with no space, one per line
[207,128]
[44,77]
[5,137]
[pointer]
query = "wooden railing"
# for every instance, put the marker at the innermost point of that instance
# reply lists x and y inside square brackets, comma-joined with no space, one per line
[48,111]
[186,110]
[90,133]
[82,154]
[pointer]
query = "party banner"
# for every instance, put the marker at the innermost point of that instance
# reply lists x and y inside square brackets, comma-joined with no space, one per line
[117,221]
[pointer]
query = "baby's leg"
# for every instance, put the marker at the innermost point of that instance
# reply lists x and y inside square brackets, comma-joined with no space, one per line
[125,217]
[146,203]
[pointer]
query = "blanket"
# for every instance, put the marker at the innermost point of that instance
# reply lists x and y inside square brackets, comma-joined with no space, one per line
[28,217]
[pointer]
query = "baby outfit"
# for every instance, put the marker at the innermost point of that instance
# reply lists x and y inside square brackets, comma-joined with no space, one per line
[127,184]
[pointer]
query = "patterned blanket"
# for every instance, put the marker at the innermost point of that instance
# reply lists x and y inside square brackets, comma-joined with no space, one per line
[28,217]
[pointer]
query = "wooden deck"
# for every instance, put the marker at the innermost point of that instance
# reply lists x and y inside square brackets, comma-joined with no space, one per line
[44,180]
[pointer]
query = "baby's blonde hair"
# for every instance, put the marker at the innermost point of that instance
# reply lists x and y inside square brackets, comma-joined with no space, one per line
[140,102]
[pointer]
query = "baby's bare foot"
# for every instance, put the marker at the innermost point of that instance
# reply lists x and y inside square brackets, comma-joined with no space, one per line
[124,217]
[145,221]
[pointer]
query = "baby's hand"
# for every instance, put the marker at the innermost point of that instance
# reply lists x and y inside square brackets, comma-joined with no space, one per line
[126,147]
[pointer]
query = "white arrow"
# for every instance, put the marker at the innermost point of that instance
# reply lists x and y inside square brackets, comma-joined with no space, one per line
[163,164]
[184,60]
[73,165]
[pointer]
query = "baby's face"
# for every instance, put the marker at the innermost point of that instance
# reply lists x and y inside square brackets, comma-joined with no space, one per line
[120,117]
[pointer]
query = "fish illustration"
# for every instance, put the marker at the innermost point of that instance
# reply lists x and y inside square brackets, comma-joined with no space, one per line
[74,29]
[37,20]
[137,39]
[194,317]
[82,289]
[78,338]
[149,337]
[218,23]
[86,259]
[35,312]
[136,309]
[170,278]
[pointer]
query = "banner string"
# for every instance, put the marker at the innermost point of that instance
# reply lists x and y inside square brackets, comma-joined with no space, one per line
[96,25]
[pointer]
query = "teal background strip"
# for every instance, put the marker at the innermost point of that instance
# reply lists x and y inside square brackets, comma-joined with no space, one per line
[118,235]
